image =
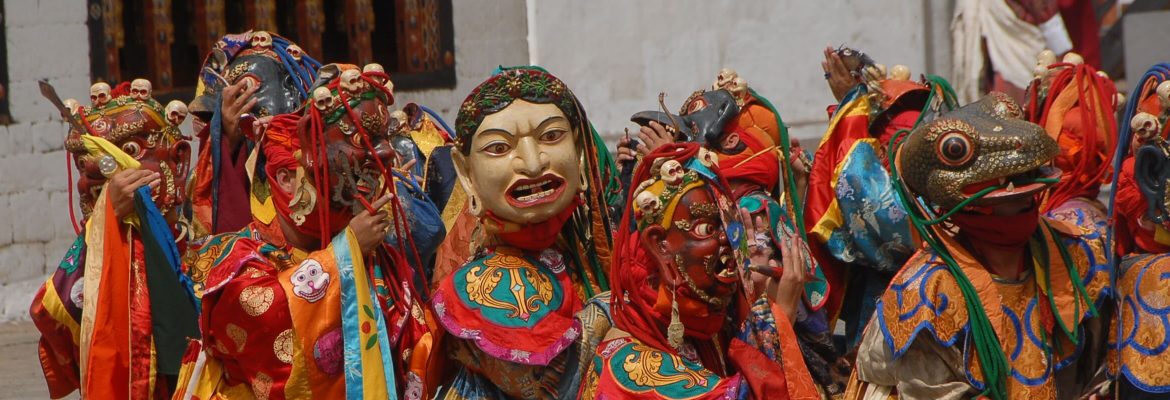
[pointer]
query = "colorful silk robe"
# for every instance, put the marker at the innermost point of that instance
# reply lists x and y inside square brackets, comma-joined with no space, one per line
[626,368]
[1140,333]
[518,325]
[919,343]
[116,313]
[812,333]
[281,323]
[764,350]
[852,212]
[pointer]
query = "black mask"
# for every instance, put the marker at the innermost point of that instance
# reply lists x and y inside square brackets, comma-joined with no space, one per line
[703,118]
[1151,172]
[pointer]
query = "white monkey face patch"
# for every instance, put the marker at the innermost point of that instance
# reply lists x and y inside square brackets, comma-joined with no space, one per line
[310,281]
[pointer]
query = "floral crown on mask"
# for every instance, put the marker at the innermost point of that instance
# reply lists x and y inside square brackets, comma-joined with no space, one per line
[532,84]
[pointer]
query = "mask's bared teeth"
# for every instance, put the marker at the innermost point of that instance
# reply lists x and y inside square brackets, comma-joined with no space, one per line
[727,275]
[1011,187]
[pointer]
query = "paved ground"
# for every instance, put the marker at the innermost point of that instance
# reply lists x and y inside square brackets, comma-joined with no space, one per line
[20,372]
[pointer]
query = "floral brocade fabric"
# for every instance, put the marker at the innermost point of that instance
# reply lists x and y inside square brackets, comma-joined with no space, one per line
[625,368]
[873,229]
[514,306]
[1140,335]
[925,297]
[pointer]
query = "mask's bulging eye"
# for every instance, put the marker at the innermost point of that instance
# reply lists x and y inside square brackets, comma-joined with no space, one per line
[696,106]
[132,149]
[955,148]
[703,229]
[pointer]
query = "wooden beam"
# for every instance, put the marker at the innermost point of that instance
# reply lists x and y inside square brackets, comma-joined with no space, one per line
[310,15]
[209,24]
[261,15]
[113,38]
[359,23]
[157,18]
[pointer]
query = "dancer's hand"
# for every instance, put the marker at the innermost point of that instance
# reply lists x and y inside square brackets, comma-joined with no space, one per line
[837,75]
[653,136]
[624,152]
[237,101]
[123,185]
[370,228]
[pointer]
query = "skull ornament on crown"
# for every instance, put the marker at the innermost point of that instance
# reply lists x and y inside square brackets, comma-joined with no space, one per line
[349,116]
[140,89]
[681,207]
[261,40]
[520,159]
[281,70]
[139,127]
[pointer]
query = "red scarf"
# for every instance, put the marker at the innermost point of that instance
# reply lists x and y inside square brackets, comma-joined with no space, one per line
[639,308]
[758,164]
[531,237]
[280,144]
[1002,231]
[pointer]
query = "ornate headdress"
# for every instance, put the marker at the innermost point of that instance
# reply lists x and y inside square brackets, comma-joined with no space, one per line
[666,175]
[234,57]
[261,58]
[973,156]
[1143,121]
[1075,104]
[124,127]
[532,84]
[352,104]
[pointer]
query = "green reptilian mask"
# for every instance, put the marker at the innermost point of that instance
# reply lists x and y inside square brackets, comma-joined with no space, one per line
[978,146]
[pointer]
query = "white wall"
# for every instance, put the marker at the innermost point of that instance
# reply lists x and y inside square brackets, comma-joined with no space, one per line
[46,39]
[617,55]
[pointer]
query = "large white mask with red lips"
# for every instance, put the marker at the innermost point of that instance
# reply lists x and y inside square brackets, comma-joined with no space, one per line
[524,165]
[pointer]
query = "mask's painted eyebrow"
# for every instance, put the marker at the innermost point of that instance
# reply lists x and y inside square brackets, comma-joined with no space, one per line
[497,130]
[550,120]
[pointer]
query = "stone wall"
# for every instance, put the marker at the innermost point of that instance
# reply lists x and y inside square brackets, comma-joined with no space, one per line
[46,40]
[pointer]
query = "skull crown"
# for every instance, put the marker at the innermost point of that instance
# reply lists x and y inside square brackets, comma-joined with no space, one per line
[726,76]
[72,105]
[671,172]
[323,98]
[140,89]
[647,203]
[900,73]
[295,52]
[99,94]
[261,40]
[176,112]
[1163,92]
[375,67]
[1145,126]
[351,81]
